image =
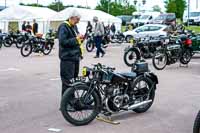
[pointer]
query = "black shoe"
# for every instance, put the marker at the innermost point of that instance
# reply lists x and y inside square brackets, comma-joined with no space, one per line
[103,55]
[96,57]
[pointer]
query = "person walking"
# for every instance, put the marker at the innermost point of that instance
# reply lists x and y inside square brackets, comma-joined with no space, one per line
[98,36]
[69,49]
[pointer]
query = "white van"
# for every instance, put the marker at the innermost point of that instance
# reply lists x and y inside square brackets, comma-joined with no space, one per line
[146,17]
[194,17]
[143,18]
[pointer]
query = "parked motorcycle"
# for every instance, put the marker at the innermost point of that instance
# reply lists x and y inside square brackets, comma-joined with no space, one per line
[108,92]
[178,48]
[117,38]
[11,38]
[196,127]
[36,45]
[90,43]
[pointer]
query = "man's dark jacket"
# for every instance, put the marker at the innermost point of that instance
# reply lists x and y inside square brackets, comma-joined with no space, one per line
[69,48]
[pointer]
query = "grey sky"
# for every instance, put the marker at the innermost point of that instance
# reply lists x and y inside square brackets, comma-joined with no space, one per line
[91,3]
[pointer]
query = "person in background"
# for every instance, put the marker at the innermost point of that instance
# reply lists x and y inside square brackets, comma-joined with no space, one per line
[35,27]
[24,26]
[98,36]
[69,49]
[28,27]
[113,28]
[89,27]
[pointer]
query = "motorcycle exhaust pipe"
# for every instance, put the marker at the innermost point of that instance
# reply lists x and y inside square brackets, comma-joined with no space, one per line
[134,106]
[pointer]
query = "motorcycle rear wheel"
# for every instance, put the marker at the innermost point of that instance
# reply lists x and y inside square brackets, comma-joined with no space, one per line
[186,56]
[47,48]
[89,46]
[26,48]
[146,86]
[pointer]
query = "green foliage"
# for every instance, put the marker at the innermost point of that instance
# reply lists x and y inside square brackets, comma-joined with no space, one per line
[56,6]
[32,4]
[156,8]
[176,6]
[120,7]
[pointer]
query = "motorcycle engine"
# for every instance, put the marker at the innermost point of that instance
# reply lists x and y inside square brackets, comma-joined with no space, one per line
[115,98]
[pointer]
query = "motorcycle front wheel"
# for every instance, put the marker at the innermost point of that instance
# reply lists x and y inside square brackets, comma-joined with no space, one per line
[47,48]
[89,46]
[7,42]
[78,107]
[196,127]
[26,50]
[159,60]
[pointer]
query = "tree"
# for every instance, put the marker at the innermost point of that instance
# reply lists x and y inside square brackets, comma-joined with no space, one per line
[156,8]
[57,6]
[32,4]
[176,6]
[119,7]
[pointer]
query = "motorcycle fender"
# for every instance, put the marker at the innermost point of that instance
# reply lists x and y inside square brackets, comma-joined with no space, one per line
[153,77]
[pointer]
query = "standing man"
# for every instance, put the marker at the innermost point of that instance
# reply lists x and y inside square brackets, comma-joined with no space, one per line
[69,49]
[24,26]
[113,29]
[98,36]
[35,27]
[28,27]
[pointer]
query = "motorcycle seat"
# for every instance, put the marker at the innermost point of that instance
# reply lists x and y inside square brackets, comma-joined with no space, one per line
[128,74]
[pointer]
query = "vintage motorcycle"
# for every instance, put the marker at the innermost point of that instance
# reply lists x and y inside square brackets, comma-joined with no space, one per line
[37,44]
[106,92]
[172,50]
[196,127]
[90,43]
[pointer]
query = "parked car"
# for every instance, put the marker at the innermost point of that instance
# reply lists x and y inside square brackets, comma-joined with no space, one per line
[153,30]
[194,18]
[166,18]
[125,19]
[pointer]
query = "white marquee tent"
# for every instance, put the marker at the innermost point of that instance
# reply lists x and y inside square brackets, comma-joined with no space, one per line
[26,13]
[86,15]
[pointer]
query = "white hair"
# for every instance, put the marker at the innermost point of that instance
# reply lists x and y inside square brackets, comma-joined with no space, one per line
[74,13]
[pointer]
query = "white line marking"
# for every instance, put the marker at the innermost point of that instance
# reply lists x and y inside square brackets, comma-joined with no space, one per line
[10,69]
[54,129]
[54,79]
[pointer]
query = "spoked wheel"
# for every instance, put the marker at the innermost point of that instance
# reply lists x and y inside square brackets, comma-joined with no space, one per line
[186,56]
[159,60]
[47,48]
[89,46]
[7,42]
[19,44]
[0,44]
[131,56]
[146,92]
[78,106]
[26,50]
[196,127]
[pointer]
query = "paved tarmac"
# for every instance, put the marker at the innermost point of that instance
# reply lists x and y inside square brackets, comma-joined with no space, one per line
[30,91]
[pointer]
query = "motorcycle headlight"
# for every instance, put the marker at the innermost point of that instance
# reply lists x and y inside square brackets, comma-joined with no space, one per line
[85,71]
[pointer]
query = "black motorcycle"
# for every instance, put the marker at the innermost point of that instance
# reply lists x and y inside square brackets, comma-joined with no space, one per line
[108,92]
[36,45]
[12,38]
[90,43]
[117,38]
[176,48]
[196,127]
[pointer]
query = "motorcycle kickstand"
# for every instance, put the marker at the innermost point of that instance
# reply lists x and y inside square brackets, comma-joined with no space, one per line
[107,119]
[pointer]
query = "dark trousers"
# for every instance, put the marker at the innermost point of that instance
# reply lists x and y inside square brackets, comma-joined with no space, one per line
[68,71]
[98,41]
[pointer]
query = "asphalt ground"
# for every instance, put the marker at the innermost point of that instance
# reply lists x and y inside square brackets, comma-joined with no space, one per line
[30,90]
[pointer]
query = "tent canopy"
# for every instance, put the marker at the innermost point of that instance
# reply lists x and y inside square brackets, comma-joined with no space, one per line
[86,15]
[20,13]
